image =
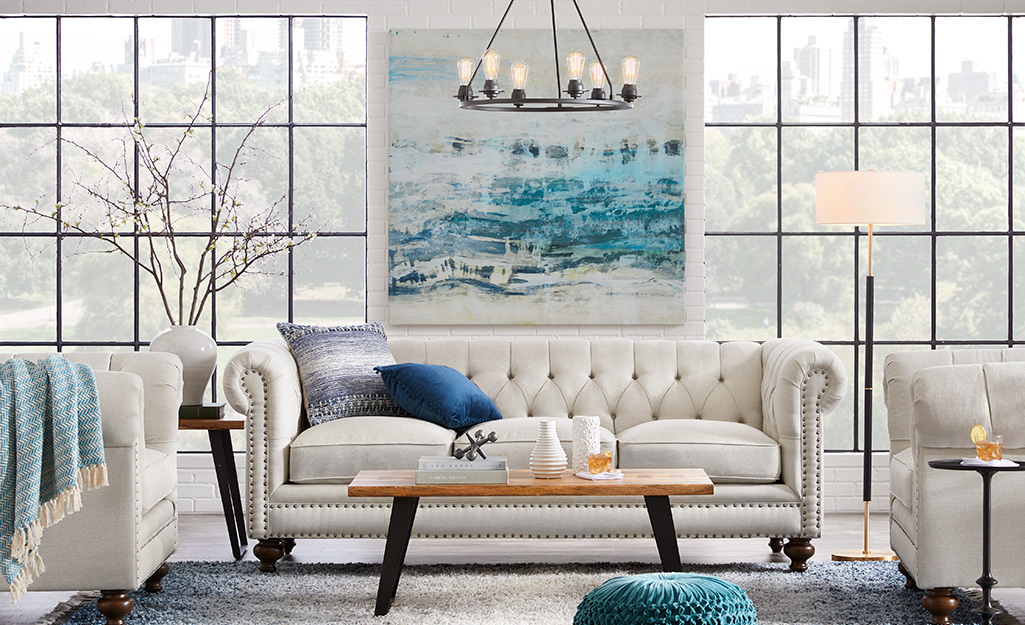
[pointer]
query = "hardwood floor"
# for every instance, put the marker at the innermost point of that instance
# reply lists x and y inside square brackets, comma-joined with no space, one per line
[203,537]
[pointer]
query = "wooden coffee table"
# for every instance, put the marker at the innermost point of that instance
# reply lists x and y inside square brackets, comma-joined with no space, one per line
[655,485]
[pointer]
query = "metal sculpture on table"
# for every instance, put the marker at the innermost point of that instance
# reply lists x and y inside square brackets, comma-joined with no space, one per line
[477,441]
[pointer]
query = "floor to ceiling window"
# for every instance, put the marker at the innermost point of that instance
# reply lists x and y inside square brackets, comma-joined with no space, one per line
[80,82]
[939,95]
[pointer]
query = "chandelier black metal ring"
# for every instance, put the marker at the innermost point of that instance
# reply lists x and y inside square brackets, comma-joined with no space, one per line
[518,101]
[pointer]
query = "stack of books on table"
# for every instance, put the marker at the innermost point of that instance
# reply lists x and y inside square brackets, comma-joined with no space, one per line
[449,470]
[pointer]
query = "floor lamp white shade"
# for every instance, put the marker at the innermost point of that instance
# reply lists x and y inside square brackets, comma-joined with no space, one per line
[869,198]
[865,198]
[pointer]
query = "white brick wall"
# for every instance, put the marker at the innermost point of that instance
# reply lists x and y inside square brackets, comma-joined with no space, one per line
[842,473]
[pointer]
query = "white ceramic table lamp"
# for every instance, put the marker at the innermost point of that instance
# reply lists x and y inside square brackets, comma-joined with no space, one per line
[869,198]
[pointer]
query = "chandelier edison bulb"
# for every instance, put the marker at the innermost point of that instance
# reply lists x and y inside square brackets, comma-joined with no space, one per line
[575,63]
[465,68]
[491,61]
[631,65]
[519,78]
[597,73]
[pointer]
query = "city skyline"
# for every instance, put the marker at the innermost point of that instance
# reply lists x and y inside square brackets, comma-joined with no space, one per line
[816,71]
[178,49]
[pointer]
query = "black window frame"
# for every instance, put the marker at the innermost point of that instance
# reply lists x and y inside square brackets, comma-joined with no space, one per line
[138,342]
[858,237]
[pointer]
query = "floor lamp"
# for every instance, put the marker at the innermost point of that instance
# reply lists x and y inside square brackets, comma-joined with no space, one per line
[869,198]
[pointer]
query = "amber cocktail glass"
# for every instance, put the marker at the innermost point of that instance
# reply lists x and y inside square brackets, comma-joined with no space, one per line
[599,463]
[990,450]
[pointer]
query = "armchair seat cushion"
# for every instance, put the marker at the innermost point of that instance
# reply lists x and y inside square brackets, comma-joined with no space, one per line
[334,452]
[728,452]
[159,477]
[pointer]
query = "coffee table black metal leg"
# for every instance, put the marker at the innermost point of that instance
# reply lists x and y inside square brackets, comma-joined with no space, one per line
[660,513]
[400,527]
[224,477]
[233,489]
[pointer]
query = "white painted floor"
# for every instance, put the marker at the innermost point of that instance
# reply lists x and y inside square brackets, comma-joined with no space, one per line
[203,537]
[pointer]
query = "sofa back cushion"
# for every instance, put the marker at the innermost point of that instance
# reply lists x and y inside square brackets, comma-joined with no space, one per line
[623,381]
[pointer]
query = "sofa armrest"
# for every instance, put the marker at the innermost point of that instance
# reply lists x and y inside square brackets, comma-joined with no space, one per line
[262,382]
[801,382]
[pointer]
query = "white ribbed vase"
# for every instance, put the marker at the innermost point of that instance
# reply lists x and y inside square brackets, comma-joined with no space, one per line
[198,353]
[586,441]
[548,460]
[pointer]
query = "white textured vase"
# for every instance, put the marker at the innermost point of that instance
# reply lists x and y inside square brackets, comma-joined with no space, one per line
[586,441]
[198,353]
[548,460]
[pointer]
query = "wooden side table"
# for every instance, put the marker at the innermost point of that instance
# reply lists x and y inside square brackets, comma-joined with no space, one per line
[219,431]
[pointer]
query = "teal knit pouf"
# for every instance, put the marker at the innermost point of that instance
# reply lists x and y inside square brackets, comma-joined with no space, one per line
[666,599]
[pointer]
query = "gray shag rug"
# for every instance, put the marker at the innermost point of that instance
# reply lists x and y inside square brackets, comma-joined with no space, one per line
[235,593]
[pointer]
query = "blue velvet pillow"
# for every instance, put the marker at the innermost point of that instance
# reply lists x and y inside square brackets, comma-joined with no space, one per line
[438,394]
[336,365]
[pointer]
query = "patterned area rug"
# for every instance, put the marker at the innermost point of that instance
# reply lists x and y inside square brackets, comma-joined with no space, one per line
[234,593]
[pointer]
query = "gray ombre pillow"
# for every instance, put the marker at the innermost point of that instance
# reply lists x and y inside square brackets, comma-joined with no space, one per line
[336,365]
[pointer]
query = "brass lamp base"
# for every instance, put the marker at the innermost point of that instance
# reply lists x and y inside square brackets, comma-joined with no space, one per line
[865,554]
[860,555]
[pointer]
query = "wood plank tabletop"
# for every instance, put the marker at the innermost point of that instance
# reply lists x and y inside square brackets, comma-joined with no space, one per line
[635,482]
[227,423]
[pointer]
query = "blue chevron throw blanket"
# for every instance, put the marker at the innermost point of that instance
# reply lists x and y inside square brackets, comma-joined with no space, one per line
[51,449]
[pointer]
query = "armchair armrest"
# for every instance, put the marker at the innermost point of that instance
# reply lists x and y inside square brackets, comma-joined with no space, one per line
[121,405]
[801,381]
[262,382]
[161,375]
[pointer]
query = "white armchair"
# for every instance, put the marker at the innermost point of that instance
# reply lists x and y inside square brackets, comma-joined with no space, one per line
[936,515]
[124,532]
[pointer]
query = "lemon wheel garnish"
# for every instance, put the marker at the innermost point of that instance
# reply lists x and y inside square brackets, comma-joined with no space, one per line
[978,434]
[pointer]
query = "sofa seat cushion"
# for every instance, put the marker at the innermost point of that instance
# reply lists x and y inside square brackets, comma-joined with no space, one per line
[517,436]
[728,452]
[901,476]
[159,477]
[334,452]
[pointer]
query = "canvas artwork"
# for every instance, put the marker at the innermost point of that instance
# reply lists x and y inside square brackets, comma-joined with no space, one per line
[534,218]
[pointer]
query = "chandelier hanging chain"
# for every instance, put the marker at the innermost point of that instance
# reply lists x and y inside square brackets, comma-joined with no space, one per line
[492,40]
[587,30]
[555,44]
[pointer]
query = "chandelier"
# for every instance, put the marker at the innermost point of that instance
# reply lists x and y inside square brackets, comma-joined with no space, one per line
[597,99]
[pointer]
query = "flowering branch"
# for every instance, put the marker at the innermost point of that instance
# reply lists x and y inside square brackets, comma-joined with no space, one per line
[233,245]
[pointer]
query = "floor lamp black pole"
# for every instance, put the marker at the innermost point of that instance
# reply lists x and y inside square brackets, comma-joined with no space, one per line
[866,553]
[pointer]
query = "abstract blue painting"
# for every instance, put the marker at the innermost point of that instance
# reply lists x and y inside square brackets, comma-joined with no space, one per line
[534,218]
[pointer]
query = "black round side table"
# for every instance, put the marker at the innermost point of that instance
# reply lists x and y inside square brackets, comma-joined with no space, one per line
[986,582]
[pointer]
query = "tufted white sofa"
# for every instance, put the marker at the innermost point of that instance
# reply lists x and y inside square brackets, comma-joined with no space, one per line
[750,414]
